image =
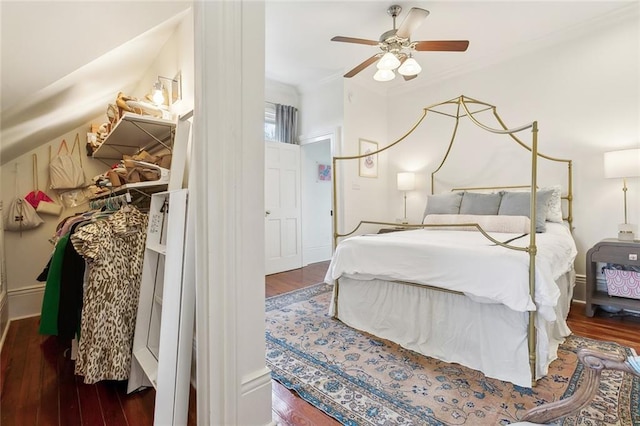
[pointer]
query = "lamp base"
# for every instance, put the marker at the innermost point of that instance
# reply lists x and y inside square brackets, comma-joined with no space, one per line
[625,232]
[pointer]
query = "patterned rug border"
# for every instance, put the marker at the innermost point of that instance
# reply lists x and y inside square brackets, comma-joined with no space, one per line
[285,299]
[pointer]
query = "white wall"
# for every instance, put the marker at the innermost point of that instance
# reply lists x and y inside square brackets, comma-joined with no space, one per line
[26,256]
[280,93]
[321,108]
[584,93]
[365,117]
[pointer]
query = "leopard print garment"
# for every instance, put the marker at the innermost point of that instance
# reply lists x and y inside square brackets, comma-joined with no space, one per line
[114,249]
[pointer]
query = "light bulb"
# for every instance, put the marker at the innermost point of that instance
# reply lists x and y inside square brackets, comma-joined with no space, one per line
[158,97]
[384,75]
[410,67]
[388,62]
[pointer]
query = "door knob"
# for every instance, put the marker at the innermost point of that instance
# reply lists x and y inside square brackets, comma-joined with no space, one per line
[267,213]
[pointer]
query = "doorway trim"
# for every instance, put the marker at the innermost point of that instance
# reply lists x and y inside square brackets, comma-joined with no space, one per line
[334,138]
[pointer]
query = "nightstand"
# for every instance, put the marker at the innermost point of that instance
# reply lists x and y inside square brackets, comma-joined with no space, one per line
[610,251]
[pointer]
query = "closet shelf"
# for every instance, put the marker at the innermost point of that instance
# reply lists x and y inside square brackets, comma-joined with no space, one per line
[134,133]
[146,186]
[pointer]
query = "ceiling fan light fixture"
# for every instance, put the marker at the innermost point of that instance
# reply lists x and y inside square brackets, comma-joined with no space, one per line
[410,67]
[384,75]
[389,61]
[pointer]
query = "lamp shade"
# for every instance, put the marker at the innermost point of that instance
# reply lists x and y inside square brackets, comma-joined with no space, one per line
[406,181]
[388,62]
[384,75]
[410,67]
[622,164]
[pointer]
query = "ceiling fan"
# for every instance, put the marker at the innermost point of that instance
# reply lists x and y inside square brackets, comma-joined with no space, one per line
[396,47]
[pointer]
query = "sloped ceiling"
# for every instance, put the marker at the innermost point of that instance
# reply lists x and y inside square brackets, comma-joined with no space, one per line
[64,62]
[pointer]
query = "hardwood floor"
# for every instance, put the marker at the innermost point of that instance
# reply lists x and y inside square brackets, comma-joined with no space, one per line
[38,387]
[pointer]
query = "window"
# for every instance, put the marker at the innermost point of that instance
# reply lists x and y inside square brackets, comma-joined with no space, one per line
[269,121]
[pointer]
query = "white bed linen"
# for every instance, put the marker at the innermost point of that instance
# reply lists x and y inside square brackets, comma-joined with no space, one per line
[463,261]
[453,328]
[489,336]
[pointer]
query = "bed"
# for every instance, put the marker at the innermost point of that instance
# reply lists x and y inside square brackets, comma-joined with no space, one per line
[488,291]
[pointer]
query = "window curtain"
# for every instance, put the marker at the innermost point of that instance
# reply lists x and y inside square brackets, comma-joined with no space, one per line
[286,123]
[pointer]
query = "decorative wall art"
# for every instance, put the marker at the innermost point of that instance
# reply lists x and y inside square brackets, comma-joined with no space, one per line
[368,164]
[324,172]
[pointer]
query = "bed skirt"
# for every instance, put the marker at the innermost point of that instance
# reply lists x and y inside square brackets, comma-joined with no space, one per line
[451,327]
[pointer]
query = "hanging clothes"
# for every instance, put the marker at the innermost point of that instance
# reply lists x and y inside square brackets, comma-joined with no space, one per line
[51,299]
[113,249]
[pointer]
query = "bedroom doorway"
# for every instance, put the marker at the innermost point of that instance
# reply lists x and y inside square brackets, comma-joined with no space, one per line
[316,189]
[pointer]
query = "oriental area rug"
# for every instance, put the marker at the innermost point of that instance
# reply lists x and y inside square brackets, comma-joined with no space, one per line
[359,379]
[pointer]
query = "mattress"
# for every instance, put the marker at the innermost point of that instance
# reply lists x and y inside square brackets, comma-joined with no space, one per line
[484,329]
[462,261]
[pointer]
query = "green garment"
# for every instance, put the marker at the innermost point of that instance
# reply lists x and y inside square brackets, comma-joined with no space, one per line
[51,299]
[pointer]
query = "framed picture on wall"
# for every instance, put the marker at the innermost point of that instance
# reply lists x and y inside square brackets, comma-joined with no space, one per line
[369,163]
[324,172]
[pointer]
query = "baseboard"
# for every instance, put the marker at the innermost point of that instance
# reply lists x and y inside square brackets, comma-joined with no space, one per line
[316,254]
[25,302]
[579,292]
[254,403]
[4,319]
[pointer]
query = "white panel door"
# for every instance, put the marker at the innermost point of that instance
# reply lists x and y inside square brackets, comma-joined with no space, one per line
[283,242]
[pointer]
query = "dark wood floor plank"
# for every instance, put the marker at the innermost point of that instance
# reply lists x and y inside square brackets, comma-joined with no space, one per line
[110,403]
[90,409]
[28,409]
[138,405]
[16,371]
[49,412]
[69,399]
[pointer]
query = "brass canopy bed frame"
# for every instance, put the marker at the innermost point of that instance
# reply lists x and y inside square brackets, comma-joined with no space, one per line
[465,107]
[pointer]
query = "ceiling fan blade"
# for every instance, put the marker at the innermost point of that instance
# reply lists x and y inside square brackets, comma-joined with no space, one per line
[442,45]
[362,66]
[355,40]
[409,77]
[413,20]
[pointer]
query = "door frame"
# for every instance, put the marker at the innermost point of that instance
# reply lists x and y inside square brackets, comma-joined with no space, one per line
[334,137]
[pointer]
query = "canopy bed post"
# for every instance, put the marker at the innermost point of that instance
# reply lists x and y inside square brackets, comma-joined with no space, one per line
[367,263]
[533,250]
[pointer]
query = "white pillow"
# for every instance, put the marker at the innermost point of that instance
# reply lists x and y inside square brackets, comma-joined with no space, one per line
[554,204]
[490,223]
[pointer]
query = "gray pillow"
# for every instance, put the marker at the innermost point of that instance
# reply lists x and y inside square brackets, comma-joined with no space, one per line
[443,203]
[480,203]
[517,204]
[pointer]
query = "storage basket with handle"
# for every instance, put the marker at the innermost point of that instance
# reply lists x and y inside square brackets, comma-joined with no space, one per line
[622,281]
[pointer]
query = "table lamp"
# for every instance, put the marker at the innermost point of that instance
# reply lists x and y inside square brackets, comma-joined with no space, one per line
[623,164]
[406,182]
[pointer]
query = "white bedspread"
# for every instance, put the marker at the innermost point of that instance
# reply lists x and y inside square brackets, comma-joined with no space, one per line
[463,261]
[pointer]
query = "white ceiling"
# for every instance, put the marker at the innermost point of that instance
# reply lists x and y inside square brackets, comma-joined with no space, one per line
[298,34]
[63,62]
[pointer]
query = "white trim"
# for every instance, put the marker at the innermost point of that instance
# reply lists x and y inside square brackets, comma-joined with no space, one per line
[228,197]
[255,380]
[25,302]
[3,306]
[581,284]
